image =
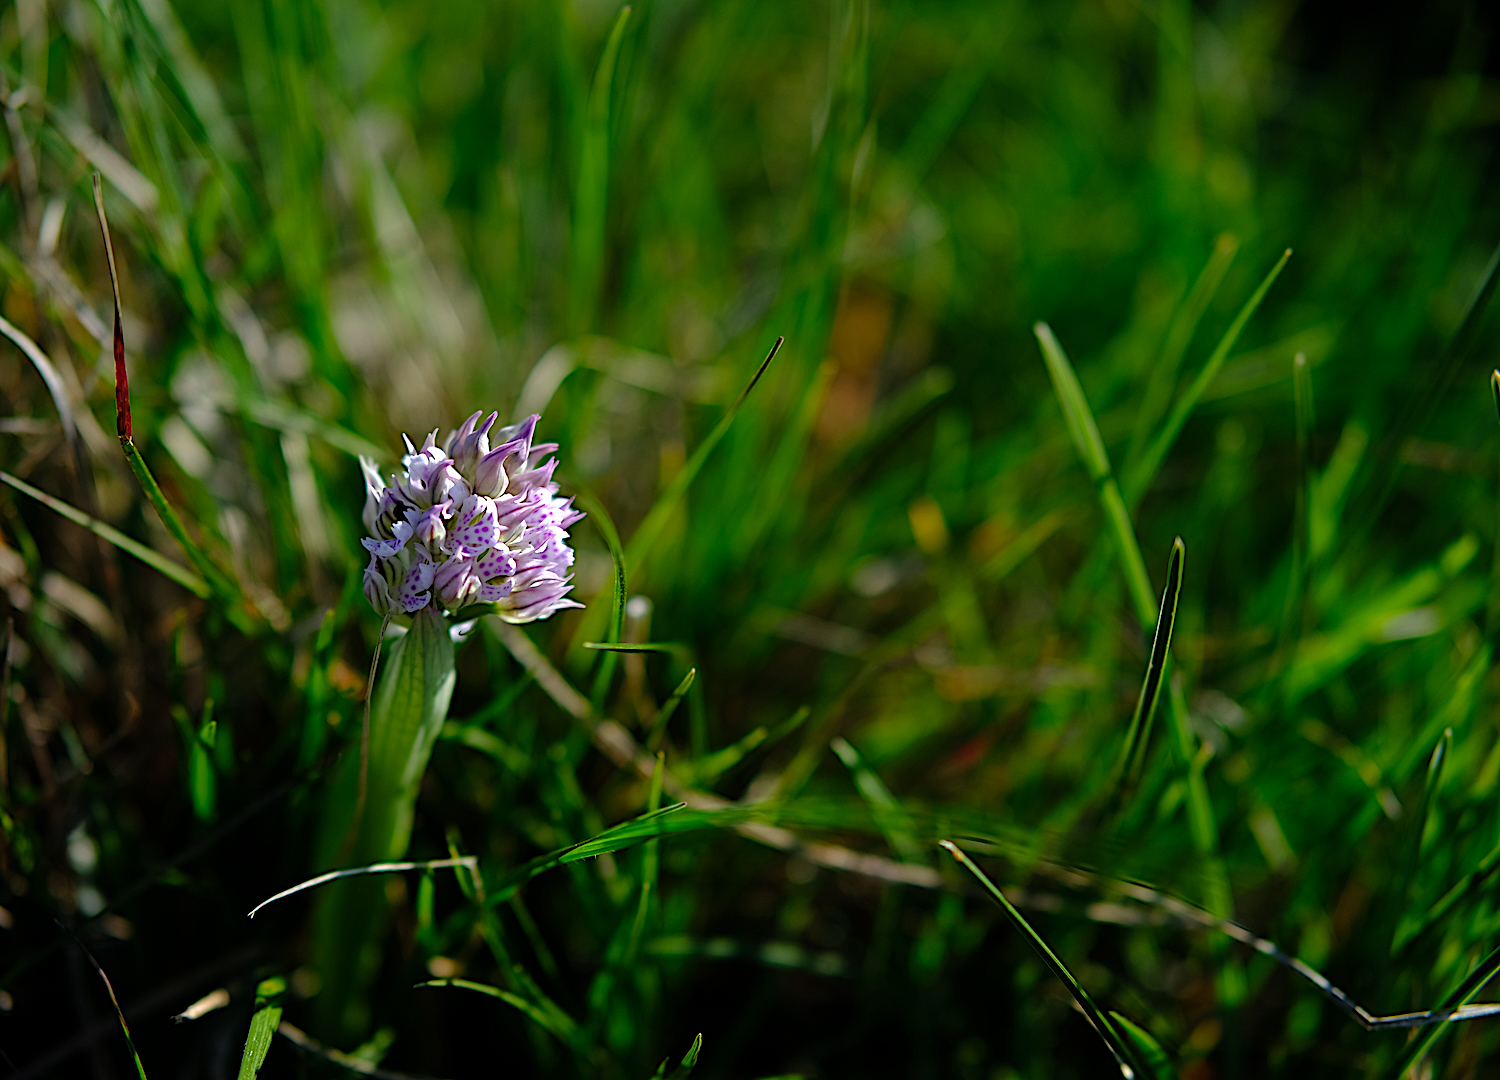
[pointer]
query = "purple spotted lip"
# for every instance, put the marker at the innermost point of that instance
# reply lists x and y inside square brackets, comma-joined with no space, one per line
[470,523]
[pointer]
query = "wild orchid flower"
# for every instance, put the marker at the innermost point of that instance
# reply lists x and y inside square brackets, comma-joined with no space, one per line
[473,526]
[470,523]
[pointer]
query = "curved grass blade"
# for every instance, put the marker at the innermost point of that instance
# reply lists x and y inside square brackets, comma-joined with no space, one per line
[1145,471]
[646,535]
[1492,622]
[217,580]
[1085,432]
[1174,346]
[659,724]
[557,1023]
[890,815]
[263,1025]
[50,377]
[1447,1012]
[587,255]
[308,1045]
[706,770]
[373,868]
[151,557]
[140,1070]
[1144,1042]
[1440,754]
[1086,436]
[1138,737]
[650,530]
[1132,1063]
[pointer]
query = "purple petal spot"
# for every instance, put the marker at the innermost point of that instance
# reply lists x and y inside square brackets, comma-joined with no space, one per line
[475,527]
[496,562]
[496,591]
[413,594]
[385,549]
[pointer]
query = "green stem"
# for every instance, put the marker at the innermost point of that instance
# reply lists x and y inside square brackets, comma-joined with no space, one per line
[409,707]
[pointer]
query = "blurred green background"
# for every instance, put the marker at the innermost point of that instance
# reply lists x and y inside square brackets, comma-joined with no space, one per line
[339,221]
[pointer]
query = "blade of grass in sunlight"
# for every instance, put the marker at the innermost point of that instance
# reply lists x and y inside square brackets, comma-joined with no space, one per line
[1129,1059]
[889,814]
[1417,826]
[685,1066]
[150,556]
[263,1024]
[1163,377]
[220,583]
[1492,622]
[649,531]
[587,253]
[1139,478]
[140,1070]
[1138,736]
[1461,996]
[566,1032]
[1085,432]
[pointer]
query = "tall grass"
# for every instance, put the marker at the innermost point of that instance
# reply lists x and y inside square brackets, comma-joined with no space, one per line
[907,595]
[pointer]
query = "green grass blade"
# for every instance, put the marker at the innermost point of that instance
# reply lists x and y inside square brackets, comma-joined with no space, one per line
[1085,432]
[587,255]
[1292,606]
[710,767]
[606,526]
[1130,1061]
[1138,736]
[1141,476]
[650,530]
[664,714]
[689,1060]
[1466,992]
[263,1026]
[1145,1043]
[655,522]
[890,816]
[1184,325]
[1492,622]
[140,1069]
[1440,754]
[151,557]
[221,584]
[557,1023]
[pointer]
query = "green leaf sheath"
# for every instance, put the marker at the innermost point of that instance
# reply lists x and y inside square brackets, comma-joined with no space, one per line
[407,714]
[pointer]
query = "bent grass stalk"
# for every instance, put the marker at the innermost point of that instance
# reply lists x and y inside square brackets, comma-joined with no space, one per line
[1131,1063]
[221,585]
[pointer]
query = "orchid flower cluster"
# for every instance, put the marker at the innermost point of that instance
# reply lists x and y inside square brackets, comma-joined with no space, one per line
[468,523]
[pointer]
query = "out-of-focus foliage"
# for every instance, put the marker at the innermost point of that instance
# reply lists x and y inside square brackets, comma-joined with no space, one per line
[903,597]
